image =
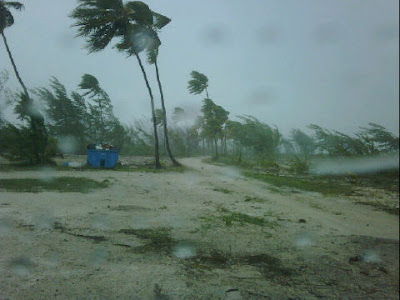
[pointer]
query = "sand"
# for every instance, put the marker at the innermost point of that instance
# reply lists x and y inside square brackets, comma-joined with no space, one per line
[173,236]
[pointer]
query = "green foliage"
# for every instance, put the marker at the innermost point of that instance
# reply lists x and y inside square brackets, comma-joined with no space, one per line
[371,140]
[59,184]
[101,21]
[6,18]
[27,141]
[243,218]
[67,115]
[300,165]
[101,120]
[380,138]
[259,137]
[214,118]
[198,83]
[304,144]
[137,140]
[325,186]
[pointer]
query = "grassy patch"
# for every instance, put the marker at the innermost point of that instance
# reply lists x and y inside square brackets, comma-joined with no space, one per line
[268,265]
[59,184]
[243,218]
[150,169]
[159,239]
[222,190]
[254,199]
[380,206]
[325,187]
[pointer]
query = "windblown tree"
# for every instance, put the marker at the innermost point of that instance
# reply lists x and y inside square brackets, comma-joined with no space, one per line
[303,143]
[67,115]
[102,20]
[36,121]
[214,119]
[261,138]
[152,54]
[198,83]
[101,117]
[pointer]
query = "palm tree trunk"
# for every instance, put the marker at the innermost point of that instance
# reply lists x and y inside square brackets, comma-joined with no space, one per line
[33,123]
[174,161]
[14,66]
[156,151]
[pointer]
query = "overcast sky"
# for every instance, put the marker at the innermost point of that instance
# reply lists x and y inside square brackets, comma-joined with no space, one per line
[289,63]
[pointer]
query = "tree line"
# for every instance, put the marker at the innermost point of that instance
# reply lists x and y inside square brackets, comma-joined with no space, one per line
[86,115]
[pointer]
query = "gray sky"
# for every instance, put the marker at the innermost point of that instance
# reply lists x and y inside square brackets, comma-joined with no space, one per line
[289,63]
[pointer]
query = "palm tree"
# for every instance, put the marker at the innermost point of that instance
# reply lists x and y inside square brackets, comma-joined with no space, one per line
[102,20]
[36,121]
[198,83]
[152,59]
[7,20]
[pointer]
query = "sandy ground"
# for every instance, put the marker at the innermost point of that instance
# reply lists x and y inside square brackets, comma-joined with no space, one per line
[89,245]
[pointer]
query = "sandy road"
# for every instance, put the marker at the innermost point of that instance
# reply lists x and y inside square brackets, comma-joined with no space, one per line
[76,246]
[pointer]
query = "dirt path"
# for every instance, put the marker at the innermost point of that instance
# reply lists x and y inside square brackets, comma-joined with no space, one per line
[207,233]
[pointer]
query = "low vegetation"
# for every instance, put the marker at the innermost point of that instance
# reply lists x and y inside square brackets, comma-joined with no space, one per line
[58,184]
[325,186]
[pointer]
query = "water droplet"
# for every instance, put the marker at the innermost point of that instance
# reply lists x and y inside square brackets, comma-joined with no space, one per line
[100,222]
[371,256]
[22,266]
[184,250]
[99,257]
[5,227]
[303,240]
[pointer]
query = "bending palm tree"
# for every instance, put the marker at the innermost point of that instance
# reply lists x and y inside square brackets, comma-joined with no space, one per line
[100,21]
[7,20]
[198,83]
[152,58]
[36,122]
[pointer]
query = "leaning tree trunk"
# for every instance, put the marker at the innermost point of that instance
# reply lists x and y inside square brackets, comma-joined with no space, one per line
[157,155]
[174,161]
[33,119]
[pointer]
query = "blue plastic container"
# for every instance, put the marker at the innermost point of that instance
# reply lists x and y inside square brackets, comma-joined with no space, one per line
[102,158]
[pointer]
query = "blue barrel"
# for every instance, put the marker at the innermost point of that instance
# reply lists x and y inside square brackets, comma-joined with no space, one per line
[102,158]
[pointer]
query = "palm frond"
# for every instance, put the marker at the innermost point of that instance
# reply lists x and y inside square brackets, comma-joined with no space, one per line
[198,83]
[159,21]
[13,4]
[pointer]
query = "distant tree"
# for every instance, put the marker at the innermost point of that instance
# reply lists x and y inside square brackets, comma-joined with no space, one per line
[260,137]
[35,133]
[381,139]
[198,83]
[234,132]
[336,143]
[101,21]
[214,119]
[36,121]
[102,119]
[68,117]
[304,144]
